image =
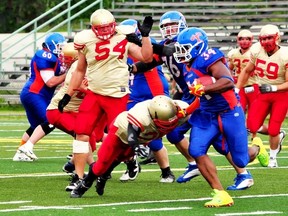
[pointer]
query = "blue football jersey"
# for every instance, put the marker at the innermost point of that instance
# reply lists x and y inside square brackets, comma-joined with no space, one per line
[215,102]
[42,60]
[176,70]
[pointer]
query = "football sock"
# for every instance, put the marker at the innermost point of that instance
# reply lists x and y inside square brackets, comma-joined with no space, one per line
[29,145]
[244,173]
[273,153]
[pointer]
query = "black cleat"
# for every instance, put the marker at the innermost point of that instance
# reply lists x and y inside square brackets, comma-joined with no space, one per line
[133,169]
[100,185]
[74,180]
[80,189]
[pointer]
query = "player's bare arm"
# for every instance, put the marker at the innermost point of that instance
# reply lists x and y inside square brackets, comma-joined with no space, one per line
[78,75]
[224,81]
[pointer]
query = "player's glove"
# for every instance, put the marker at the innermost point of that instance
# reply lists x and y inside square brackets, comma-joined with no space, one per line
[63,102]
[133,38]
[266,88]
[140,152]
[130,68]
[181,113]
[146,27]
[197,90]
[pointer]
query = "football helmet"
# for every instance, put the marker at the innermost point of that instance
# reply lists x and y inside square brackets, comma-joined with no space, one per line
[68,55]
[163,112]
[103,24]
[244,39]
[171,24]
[191,43]
[55,42]
[132,22]
[269,37]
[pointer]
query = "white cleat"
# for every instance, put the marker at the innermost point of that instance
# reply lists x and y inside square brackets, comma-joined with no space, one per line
[19,156]
[273,163]
[170,178]
[27,152]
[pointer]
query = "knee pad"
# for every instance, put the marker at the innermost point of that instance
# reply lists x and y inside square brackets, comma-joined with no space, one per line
[156,145]
[80,146]
[47,128]
[30,131]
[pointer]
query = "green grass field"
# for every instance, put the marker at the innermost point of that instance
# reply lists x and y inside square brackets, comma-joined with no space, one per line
[38,188]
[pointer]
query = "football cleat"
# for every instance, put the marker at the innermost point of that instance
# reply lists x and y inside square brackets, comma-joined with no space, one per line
[220,199]
[273,163]
[100,185]
[69,168]
[263,156]
[27,152]
[282,137]
[191,172]
[69,157]
[80,189]
[242,182]
[167,178]
[133,169]
[72,185]
[19,156]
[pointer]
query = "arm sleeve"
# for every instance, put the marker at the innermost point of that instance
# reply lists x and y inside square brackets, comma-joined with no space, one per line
[163,50]
[133,133]
[143,67]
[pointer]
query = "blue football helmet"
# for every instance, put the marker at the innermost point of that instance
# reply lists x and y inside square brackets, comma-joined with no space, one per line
[191,43]
[171,24]
[132,22]
[55,42]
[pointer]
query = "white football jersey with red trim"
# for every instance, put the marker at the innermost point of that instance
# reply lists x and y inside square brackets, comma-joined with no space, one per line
[239,61]
[106,62]
[140,117]
[270,69]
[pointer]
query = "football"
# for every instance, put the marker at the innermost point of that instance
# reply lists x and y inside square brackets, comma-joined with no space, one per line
[205,80]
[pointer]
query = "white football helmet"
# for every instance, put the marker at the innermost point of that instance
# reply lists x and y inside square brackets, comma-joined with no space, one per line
[267,32]
[171,24]
[68,55]
[163,112]
[103,24]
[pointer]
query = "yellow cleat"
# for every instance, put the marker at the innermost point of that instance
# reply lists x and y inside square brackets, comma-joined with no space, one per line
[263,156]
[220,198]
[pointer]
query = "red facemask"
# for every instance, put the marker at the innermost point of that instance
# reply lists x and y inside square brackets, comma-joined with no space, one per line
[104,32]
[269,42]
[244,42]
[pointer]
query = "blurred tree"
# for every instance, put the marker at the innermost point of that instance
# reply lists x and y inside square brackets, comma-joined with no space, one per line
[16,13]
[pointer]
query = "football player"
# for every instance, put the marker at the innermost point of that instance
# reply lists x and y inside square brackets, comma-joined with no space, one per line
[144,86]
[269,61]
[171,24]
[65,120]
[238,59]
[46,75]
[102,52]
[220,113]
[146,121]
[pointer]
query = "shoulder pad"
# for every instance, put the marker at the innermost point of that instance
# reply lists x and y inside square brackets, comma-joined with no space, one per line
[46,55]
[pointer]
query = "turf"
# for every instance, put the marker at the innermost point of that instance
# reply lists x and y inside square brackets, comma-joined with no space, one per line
[38,188]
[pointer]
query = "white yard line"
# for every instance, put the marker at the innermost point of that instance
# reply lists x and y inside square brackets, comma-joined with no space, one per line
[72,207]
